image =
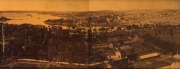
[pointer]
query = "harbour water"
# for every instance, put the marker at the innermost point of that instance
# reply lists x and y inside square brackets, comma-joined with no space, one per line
[29,18]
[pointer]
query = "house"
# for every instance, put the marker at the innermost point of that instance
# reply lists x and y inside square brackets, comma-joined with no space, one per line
[174,65]
[125,50]
[98,46]
[114,55]
[117,56]
[135,39]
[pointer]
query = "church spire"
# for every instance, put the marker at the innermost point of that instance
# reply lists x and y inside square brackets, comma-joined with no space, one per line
[177,52]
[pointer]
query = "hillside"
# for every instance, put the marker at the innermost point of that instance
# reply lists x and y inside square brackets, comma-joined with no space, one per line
[153,16]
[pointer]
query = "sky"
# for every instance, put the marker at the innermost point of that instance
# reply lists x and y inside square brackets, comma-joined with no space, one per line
[86,5]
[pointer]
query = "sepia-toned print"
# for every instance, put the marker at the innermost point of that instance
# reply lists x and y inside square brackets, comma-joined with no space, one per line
[88,34]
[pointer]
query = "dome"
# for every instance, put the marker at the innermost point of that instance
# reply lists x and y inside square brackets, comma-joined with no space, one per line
[177,56]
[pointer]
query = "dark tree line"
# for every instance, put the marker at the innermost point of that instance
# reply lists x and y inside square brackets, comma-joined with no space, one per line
[39,42]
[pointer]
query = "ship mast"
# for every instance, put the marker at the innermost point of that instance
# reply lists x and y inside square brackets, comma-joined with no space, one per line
[90,40]
[3,41]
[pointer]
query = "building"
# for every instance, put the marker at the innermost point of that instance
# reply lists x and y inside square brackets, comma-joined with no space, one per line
[174,65]
[149,55]
[115,55]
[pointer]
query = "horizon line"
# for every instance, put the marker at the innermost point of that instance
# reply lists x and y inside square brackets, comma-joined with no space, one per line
[79,11]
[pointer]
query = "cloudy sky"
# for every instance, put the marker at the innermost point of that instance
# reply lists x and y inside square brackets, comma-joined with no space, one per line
[87,5]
